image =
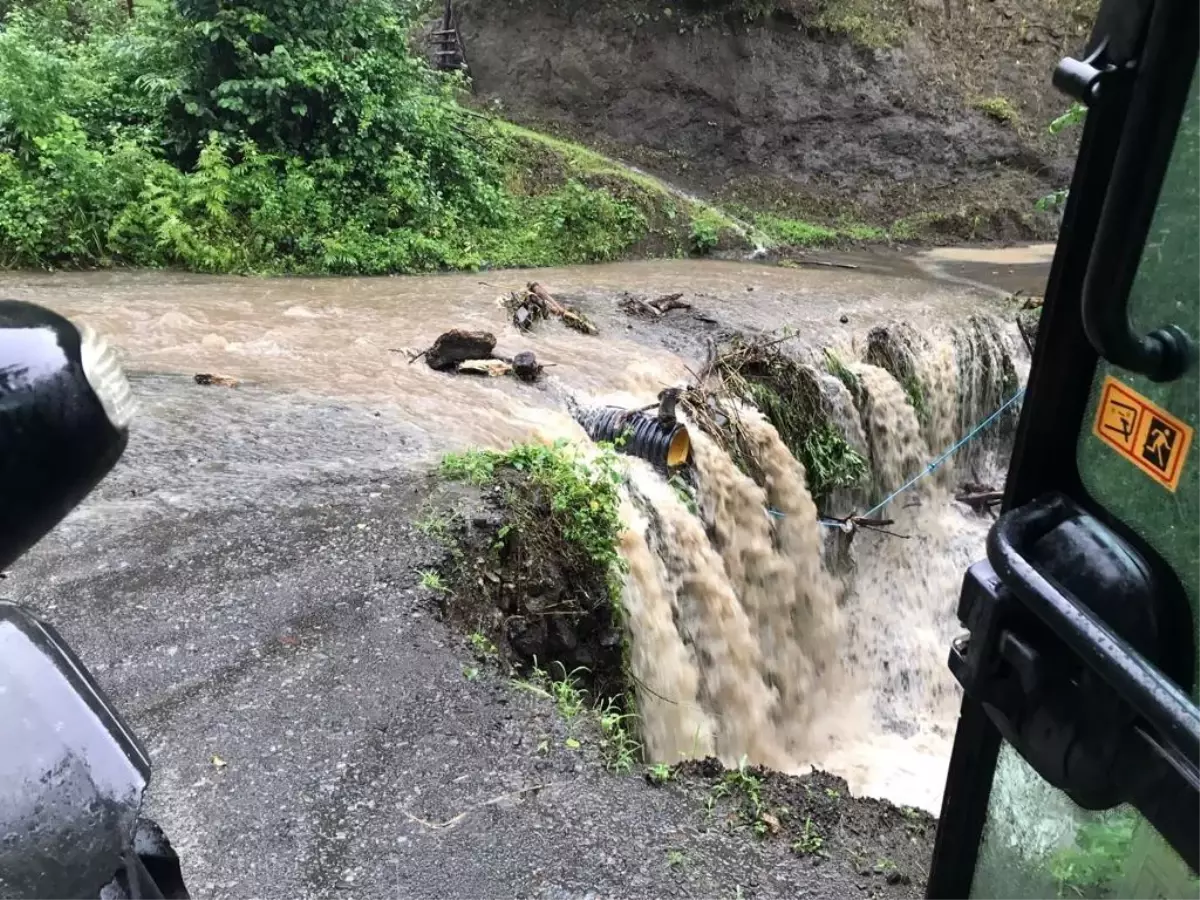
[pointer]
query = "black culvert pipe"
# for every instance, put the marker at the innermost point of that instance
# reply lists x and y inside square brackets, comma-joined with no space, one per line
[666,445]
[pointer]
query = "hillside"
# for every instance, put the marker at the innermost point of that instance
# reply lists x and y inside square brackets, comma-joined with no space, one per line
[924,118]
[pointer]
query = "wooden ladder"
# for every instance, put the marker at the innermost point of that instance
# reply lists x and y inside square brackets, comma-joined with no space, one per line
[448,53]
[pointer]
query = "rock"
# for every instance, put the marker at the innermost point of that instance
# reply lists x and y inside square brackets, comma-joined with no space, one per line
[208,378]
[456,346]
[526,367]
[844,319]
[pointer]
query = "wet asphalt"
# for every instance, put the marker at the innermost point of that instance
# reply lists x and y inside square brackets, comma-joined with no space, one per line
[246,587]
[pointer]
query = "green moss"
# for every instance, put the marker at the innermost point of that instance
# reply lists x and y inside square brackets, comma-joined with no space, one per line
[868,23]
[999,109]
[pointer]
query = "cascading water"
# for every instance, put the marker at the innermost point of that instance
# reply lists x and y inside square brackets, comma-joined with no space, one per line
[747,643]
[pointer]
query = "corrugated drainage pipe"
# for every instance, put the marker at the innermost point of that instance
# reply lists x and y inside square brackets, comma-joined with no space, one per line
[665,445]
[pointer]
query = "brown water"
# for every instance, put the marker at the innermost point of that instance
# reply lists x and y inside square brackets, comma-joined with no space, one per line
[745,640]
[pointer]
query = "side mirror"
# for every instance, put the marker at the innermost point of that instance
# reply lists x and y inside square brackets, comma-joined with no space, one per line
[72,774]
[65,408]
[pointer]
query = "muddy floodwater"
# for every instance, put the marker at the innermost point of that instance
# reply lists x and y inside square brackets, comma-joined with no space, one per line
[351,337]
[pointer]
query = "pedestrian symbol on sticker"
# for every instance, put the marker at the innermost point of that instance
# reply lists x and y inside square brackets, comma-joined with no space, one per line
[1146,435]
[1160,440]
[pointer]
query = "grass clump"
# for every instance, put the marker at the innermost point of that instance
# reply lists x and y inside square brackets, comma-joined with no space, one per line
[795,233]
[998,109]
[706,231]
[659,773]
[744,787]
[611,725]
[432,581]
[868,23]
[810,840]
[583,496]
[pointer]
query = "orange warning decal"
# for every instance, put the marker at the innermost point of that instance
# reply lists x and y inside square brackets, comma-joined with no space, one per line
[1146,435]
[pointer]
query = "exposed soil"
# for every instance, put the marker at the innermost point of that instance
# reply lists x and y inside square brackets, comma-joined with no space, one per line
[883,848]
[947,129]
[516,580]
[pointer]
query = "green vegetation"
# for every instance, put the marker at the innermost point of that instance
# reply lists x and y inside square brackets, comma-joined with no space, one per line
[999,109]
[797,233]
[618,746]
[830,461]
[874,24]
[810,840]
[915,391]
[482,645]
[265,136]
[584,495]
[432,581]
[1094,862]
[839,370]
[744,787]
[789,396]
[659,773]
[1073,116]
[706,231]
[676,859]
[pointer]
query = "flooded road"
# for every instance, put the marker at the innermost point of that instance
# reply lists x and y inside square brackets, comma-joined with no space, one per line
[351,338]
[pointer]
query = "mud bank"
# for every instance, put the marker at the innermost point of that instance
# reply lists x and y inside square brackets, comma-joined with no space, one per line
[941,125]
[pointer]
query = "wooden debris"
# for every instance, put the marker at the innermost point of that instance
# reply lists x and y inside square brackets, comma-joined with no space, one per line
[535,303]
[208,378]
[526,367]
[981,500]
[457,346]
[851,524]
[653,309]
[493,368]
[570,317]
[1028,301]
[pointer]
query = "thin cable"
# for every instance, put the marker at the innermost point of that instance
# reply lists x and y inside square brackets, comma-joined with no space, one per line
[945,456]
[833,523]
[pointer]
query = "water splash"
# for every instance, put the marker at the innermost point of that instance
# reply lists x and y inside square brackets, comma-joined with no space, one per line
[783,657]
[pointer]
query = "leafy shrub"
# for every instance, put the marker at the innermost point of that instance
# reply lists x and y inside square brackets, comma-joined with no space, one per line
[262,135]
[706,232]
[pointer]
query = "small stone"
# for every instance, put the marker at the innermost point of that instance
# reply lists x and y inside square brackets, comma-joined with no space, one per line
[844,319]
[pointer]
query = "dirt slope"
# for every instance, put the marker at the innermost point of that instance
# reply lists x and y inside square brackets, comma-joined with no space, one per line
[887,112]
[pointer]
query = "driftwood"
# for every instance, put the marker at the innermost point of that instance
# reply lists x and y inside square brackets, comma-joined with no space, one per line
[851,524]
[490,367]
[981,500]
[570,317]
[529,306]
[457,346]
[653,309]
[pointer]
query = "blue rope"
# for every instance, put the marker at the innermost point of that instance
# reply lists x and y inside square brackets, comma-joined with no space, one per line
[833,523]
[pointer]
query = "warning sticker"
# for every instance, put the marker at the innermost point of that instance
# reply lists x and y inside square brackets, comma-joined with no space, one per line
[1146,435]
